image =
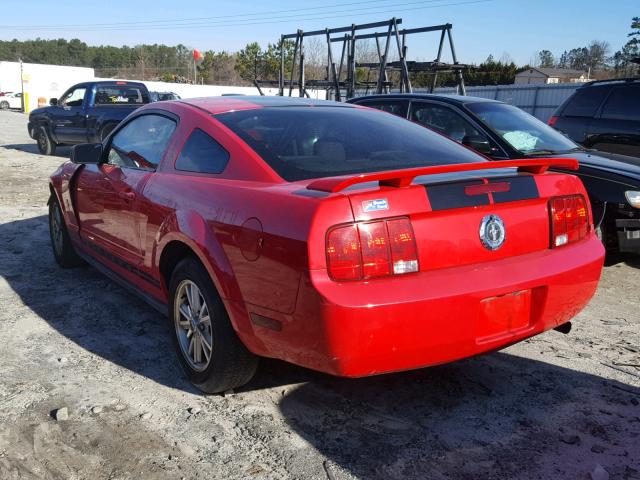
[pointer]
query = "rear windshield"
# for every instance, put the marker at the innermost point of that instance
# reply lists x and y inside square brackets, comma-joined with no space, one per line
[120,95]
[312,142]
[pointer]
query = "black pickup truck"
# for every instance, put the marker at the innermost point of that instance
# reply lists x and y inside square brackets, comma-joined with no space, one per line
[87,112]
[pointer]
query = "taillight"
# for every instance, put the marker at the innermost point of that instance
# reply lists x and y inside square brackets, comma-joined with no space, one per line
[372,249]
[343,253]
[552,121]
[374,243]
[569,219]
[404,255]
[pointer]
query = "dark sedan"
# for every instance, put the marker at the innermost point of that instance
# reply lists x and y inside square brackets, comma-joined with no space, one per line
[502,131]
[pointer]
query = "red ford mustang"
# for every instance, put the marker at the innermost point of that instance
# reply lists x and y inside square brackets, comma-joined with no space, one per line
[332,236]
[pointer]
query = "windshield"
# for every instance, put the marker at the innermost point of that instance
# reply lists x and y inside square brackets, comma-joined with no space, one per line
[522,131]
[312,142]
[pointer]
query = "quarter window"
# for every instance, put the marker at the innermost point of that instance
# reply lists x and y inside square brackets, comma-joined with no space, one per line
[585,102]
[202,154]
[141,143]
[623,104]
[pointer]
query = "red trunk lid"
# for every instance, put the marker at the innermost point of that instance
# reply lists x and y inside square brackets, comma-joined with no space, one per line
[447,217]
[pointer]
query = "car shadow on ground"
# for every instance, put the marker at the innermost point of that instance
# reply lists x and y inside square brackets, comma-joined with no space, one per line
[495,416]
[101,316]
[86,307]
[61,151]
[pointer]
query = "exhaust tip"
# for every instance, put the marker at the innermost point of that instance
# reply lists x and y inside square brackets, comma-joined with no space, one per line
[564,328]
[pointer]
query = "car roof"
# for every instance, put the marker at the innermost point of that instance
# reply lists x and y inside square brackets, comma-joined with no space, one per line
[215,105]
[452,99]
[612,82]
[108,82]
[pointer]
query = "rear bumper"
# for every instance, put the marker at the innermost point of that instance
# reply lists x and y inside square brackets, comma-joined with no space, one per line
[628,230]
[423,319]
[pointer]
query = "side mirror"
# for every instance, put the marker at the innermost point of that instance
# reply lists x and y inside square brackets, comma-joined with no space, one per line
[478,143]
[86,153]
[53,102]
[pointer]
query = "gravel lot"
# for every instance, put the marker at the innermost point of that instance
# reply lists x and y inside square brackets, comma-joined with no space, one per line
[557,406]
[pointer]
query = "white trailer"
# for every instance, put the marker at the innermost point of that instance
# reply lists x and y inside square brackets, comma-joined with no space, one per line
[40,82]
[187,90]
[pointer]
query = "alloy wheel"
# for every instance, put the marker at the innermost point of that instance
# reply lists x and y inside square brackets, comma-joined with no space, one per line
[193,325]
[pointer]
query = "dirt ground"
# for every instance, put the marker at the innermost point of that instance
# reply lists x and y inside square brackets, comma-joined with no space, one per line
[556,406]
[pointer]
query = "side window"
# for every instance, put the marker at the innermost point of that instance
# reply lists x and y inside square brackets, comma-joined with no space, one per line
[119,95]
[623,104]
[444,120]
[74,98]
[141,143]
[585,102]
[202,154]
[398,107]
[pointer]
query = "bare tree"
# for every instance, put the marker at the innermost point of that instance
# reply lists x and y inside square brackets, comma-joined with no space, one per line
[597,54]
[506,58]
[315,55]
[141,59]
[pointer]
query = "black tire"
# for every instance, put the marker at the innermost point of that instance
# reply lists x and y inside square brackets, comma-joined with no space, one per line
[63,250]
[230,364]
[4,105]
[106,130]
[46,146]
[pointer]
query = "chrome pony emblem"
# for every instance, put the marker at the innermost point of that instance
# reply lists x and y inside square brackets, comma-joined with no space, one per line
[492,232]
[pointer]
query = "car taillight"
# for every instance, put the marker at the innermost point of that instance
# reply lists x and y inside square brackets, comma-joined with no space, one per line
[374,243]
[343,253]
[569,219]
[404,255]
[372,249]
[552,121]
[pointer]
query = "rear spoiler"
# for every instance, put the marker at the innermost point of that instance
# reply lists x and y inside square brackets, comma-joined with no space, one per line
[404,177]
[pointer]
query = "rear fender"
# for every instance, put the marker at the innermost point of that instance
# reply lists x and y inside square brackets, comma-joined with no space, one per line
[191,229]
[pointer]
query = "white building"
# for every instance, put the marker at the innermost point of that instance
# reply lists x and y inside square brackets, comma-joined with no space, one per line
[40,82]
[550,75]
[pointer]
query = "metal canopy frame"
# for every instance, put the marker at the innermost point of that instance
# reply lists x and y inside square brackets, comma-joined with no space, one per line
[341,72]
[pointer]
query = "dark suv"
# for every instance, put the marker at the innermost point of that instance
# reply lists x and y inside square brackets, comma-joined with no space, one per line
[604,115]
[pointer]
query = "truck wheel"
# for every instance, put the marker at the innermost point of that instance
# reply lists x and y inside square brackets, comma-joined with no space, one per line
[4,105]
[210,352]
[63,250]
[46,146]
[106,130]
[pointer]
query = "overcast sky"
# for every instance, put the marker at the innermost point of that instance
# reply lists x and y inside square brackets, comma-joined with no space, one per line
[518,28]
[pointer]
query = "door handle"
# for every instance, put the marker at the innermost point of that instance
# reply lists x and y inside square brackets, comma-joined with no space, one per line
[127,195]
